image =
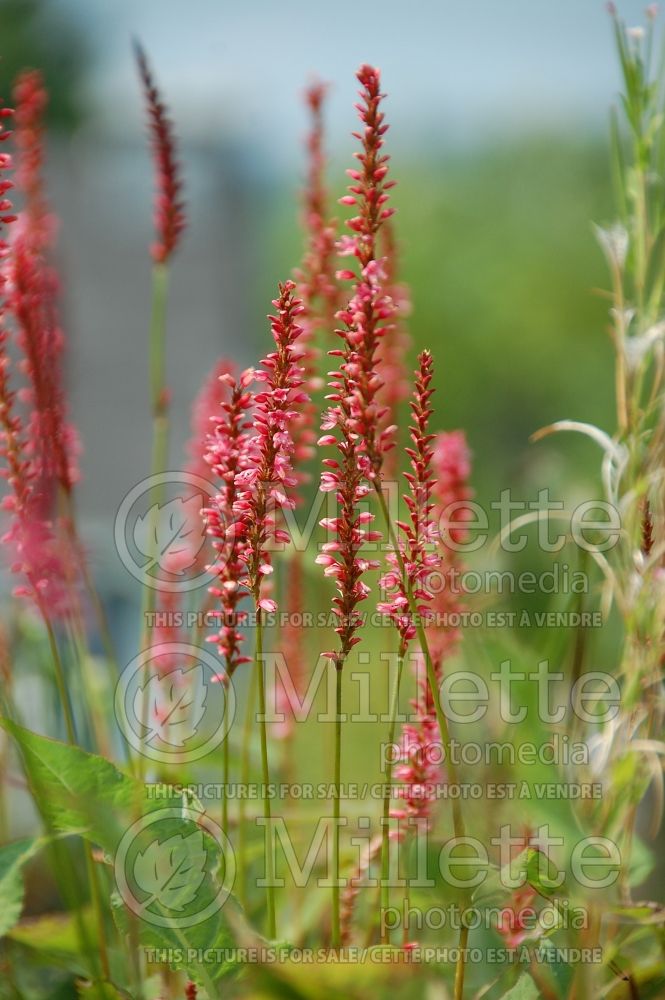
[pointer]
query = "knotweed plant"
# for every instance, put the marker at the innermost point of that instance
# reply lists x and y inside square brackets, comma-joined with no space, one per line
[156,889]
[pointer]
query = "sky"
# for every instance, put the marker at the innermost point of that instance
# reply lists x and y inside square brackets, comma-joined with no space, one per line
[454,71]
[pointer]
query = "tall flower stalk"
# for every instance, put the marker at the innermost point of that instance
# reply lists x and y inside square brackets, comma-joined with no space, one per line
[225,454]
[169,221]
[419,561]
[263,487]
[354,413]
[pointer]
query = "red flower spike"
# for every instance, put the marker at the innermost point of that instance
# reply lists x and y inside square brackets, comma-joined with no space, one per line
[35,552]
[419,533]
[226,454]
[170,220]
[51,440]
[265,484]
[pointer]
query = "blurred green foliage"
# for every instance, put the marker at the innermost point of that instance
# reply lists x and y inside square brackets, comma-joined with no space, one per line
[498,250]
[44,36]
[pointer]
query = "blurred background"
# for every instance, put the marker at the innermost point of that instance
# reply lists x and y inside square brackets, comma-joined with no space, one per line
[498,118]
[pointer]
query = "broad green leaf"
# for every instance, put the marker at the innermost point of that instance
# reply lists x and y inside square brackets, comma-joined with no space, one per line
[541,873]
[13,857]
[524,989]
[79,792]
[86,794]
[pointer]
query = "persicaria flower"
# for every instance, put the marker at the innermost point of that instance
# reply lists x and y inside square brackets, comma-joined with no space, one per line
[419,770]
[342,557]
[170,218]
[31,101]
[35,551]
[226,455]
[370,312]
[33,290]
[451,462]
[263,486]
[411,566]
[315,277]
[205,414]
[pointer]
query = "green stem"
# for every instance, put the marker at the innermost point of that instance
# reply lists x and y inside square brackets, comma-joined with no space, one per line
[59,676]
[337,779]
[270,874]
[225,768]
[71,735]
[160,442]
[385,831]
[458,817]
[461,965]
[244,779]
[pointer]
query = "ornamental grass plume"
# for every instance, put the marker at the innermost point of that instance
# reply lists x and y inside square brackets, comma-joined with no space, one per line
[169,216]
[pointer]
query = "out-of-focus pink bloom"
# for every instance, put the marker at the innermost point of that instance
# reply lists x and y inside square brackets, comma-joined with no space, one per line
[33,290]
[291,644]
[516,921]
[264,486]
[416,554]
[315,278]
[35,552]
[31,101]
[394,348]
[419,770]
[170,218]
[227,454]
[451,463]
[350,892]
[205,413]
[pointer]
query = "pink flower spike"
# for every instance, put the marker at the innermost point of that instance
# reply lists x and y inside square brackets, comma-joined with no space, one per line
[418,534]
[262,486]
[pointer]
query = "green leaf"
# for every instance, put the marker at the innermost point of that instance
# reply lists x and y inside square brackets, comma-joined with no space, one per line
[79,792]
[524,989]
[86,794]
[13,857]
[541,874]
